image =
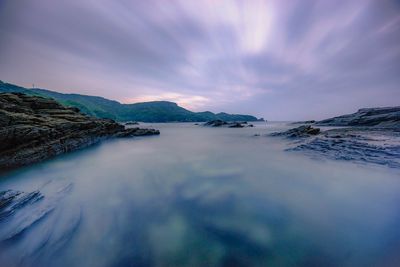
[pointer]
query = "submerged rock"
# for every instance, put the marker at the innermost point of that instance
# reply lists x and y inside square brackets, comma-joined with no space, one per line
[131,123]
[33,128]
[39,222]
[301,131]
[236,125]
[303,122]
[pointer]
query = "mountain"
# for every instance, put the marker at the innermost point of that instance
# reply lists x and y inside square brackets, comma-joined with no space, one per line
[155,111]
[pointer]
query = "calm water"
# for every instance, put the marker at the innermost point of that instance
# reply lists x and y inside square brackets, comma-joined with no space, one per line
[197,196]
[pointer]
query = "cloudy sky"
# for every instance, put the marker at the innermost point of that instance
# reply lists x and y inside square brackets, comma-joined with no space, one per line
[280,60]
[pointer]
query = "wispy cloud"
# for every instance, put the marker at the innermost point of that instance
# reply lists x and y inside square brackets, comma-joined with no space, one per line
[278,59]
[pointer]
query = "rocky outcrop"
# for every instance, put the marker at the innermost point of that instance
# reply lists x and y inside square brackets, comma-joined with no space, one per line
[131,123]
[301,131]
[388,117]
[372,136]
[221,123]
[373,146]
[34,128]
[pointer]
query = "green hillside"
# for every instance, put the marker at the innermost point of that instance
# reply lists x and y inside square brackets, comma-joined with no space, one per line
[155,111]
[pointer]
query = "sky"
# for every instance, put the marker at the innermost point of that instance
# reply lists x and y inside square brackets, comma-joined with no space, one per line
[281,60]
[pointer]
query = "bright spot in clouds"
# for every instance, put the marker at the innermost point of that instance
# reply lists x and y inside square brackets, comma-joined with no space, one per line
[187,101]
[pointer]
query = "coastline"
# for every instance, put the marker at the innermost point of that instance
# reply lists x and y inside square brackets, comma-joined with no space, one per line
[34,129]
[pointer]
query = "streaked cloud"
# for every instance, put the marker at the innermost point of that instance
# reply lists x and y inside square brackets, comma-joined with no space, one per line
[287,59]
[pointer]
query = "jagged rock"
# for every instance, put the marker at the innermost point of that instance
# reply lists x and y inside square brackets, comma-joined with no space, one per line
[221,123]
[301,131]
[215,123]
[388,117]
[34,128]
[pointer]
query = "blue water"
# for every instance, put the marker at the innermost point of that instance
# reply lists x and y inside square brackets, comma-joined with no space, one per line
[197,196]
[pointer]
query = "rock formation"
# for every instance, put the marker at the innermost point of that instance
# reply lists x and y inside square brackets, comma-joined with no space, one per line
[34,128]
[221,123]
[301,131]
[388,117]
[371,135]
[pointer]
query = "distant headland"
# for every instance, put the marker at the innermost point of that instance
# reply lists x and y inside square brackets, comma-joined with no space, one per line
[155,111]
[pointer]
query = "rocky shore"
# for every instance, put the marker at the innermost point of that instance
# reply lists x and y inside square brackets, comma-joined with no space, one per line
[387,118]
[371,135]
[34,128]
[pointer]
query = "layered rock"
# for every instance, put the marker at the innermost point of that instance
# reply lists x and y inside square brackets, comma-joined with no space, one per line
[373,146]
[371,135]
[388,117]
[358,144]
[34,128]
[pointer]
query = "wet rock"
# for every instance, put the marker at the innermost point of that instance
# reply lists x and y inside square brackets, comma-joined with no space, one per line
[131,123]
[221,123]
[216,123]
[236,125]
[374,137]
[301,131]
[39,223]
[303,122]
[388,117]
[34,128]
[362,146]
[130,132]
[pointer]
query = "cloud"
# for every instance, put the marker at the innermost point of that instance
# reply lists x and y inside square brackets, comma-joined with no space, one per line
[283,59]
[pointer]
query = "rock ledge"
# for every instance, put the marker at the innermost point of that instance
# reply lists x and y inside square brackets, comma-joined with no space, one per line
[33,128]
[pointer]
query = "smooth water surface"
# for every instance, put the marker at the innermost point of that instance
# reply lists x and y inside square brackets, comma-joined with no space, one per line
[197,196]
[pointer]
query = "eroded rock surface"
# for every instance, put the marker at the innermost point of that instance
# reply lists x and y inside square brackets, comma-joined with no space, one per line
[34,128]
[371,135]
[362,146]
[388,117]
